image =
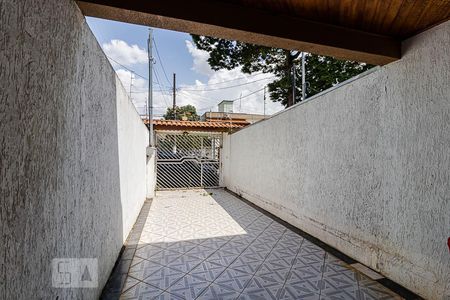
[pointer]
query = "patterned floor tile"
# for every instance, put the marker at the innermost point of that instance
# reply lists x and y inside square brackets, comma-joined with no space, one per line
[277,274]
[148,251]
[141,291]
[144,269]
[214,243]
[372,290]
[279,263]
[223,257]
[290,292]
[184,263]
[188,287]
[307,261]
[252,255]
[261,287]
[217,292]
[181,247]
[164,278]
[192,244]
[136,260]
[165,257]
[207,271]
[233,279]
[167,296]
[236,248]
[129,283]
[339,279]
[250,267]
[201,251]
[304,280]
[339,286]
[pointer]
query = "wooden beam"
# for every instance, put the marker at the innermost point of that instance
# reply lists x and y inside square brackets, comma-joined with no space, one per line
[231,21]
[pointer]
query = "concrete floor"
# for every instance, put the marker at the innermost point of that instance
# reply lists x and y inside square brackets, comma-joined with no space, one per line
[197,244]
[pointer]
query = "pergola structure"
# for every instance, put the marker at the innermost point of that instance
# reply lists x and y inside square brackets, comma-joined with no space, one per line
[366,30]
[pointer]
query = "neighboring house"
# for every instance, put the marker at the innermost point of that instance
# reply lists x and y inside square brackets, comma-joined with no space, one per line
[226,113]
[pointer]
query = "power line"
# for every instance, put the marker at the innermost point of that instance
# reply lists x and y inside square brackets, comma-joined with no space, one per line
[160,60]
[227,87]
[194,95]
[157,80]
[245,96]
[166,89]
[252,93]
[128,69]
[236,79]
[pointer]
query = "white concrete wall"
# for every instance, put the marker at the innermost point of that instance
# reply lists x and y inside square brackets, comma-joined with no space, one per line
[364,167]
[72,150]
[134,172]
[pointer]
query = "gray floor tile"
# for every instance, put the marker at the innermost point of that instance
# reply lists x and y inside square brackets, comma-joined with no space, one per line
[167,296]
[262,287]
[184,263]
[250,267]
[292,292]
[207,271]
[224,258]
[233,279]
[141,291]
[197,246]
[188,287]
[181,247]
[164,278]
[144,269]
[201,251]
[370,289]
[278,274]
[217,292]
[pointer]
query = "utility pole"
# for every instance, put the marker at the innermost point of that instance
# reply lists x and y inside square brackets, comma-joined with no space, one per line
[303,77]
[150,88]
[174,97]
[264,102]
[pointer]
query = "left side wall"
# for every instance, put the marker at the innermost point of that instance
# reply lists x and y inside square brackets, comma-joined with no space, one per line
[72,150]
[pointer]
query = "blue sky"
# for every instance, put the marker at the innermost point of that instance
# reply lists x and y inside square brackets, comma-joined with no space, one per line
[171,46]
[126,44]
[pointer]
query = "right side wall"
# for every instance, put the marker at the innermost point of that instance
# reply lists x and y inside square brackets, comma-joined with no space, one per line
[364,167]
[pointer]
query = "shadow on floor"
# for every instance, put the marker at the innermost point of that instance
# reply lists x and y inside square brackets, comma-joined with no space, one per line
[197,244]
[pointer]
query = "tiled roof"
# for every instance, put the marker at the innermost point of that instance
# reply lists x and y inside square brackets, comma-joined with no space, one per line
[198,124]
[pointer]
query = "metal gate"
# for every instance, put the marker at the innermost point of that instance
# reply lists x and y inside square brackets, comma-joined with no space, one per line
[187,160]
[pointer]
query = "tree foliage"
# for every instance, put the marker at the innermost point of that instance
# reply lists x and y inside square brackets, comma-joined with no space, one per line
[188,111]
[322,72]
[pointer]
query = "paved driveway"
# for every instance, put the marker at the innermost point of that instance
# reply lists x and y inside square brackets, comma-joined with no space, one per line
[198,244]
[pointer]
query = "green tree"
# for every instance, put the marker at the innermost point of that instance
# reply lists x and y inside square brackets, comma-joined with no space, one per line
[188,111]
[322,72]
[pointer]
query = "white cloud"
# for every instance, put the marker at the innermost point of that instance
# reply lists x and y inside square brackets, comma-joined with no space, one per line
[195,94]
[139,93]
[208,100]
[125,54]
[200,58]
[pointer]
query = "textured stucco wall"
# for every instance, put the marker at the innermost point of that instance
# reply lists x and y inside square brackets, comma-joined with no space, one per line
[72,150]
[133,142]
[365,167]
